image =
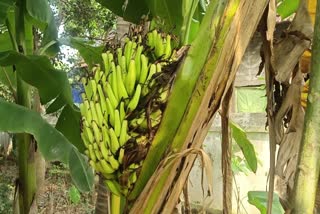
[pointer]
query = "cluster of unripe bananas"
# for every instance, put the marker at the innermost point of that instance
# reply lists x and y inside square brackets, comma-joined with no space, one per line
[114,117]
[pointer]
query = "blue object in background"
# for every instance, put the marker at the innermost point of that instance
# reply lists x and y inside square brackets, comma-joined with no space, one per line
[76,94]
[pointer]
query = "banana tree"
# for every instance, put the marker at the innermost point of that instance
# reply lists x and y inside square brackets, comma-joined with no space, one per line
[216,36]
[25,68]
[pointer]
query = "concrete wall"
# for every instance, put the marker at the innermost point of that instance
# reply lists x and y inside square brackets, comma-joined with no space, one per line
[253,125]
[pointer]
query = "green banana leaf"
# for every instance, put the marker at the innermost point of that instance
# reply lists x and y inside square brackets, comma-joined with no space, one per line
[40,14]
[51,143]
[259,199]
[240,136]
[87,49]
[7,76]
[67,124]
[287,8]
[5,6]
[130,10]
[38,72]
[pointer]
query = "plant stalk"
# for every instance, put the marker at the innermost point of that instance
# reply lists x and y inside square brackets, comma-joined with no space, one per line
[226,147]
[25,143]
[309,159]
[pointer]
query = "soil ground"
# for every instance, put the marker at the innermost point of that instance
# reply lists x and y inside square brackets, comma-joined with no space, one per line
[56,197]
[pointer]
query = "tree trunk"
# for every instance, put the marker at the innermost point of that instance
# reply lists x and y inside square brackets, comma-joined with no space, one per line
[309,159]
[103,198]
[226,146]
[25,142]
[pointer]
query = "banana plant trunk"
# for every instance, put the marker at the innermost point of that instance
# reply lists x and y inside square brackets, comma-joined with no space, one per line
[203,79]
[26,184]
[103,198]
[309,159]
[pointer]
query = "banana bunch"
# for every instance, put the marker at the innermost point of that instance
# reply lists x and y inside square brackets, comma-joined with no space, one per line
[162,46]
[113,121]
[304,94]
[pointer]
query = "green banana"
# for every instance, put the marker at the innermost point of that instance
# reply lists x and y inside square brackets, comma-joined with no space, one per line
[114,82]
[91,153]
[101,119]
[105,134]
[108,90]
[144,69]
[137,60]
[159,49]
[155,37]
[88,133]
[97,74]
[152,71]
[119,54]
[121,155]
[102,100]
[97,151]
[106,167]
[150,40]
[93,112]
[120,83]
[104,150]
[105,63]
[131,77]
[117,122]
[135,99]
[133,177]
[122,111]
[168,49]
[96,131]
[110,112]
[113,162]
[110,58]
[114,141]
[113,186]
[123,133]
[127,52]
[123,65]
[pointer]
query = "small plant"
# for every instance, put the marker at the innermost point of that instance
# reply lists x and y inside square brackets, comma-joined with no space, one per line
[74,195]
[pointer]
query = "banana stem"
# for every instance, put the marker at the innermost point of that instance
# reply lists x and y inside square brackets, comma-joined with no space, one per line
[308,168]
[26,146]
[115,205]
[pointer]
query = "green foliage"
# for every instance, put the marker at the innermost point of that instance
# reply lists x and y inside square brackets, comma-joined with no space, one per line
[169,12]
[74,195]
[245,145]
[38,72]
[41,16]
[84,18]
[259,199]
[68,120]
[90,52]
[5,5]
[132,11]
[287,7]
[52,144]
[81,174]
[5,194]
